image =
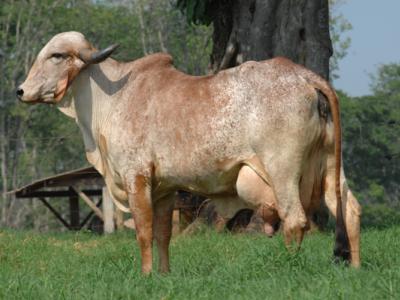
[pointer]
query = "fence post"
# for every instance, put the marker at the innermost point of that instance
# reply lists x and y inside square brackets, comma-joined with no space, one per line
[74,210]
[108,212]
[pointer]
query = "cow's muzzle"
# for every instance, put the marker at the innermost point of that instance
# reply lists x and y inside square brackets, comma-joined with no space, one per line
[19,92]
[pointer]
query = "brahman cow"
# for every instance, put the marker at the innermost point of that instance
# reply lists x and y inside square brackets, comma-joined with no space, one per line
[150,130]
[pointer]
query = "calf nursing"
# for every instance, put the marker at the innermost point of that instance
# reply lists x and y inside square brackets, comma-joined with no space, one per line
[236,136]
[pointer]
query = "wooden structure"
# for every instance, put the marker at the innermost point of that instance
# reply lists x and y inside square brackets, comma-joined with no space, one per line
[87,184]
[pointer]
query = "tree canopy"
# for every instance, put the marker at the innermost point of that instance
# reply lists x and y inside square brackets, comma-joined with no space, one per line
[371,128]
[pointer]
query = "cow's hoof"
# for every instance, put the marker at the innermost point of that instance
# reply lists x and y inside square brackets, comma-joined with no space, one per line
[341,256]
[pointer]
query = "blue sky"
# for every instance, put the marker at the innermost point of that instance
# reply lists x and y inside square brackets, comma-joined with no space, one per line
[375,40]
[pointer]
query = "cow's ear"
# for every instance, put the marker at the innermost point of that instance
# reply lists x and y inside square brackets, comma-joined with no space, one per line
[95,57]
[66,79]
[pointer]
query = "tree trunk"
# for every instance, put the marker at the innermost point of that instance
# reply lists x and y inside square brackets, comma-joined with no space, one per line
[4,173]
[259,29]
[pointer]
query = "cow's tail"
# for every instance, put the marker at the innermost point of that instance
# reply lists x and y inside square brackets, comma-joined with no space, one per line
[342,249]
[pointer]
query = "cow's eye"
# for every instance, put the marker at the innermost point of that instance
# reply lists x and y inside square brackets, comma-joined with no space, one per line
[57,57]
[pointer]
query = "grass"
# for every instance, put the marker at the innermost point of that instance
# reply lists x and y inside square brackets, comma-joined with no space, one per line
[204,266]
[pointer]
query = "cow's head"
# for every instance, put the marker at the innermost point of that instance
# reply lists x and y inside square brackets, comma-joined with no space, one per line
[56,66]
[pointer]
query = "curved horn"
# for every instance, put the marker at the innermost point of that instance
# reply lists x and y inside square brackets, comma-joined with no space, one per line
[95,57]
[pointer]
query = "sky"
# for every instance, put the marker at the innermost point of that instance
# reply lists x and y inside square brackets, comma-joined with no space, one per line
[375,40]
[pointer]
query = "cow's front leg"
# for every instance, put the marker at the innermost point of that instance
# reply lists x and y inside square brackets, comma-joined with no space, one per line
[162,228]
[142,212]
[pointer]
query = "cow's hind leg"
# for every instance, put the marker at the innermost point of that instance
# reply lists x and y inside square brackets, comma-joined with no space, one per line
[351,214]
[352,219]
[142,212]
[291,212]
[252,189]
[162,229]
[285,173]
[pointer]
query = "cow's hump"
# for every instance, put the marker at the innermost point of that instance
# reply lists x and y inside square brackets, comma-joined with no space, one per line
[155,61]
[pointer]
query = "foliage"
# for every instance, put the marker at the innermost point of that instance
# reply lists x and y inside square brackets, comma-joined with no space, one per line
[338,26]
[380,216]
[205,266]
[196,11]
[372,139]
[386,82]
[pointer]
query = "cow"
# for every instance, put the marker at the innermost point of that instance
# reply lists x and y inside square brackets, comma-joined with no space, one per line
[150,130]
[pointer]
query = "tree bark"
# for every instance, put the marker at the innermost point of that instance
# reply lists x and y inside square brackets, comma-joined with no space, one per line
[261,29]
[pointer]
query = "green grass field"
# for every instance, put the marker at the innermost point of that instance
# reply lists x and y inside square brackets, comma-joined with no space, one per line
[205,266]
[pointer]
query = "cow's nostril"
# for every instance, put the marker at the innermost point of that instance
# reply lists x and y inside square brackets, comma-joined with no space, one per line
[20,92]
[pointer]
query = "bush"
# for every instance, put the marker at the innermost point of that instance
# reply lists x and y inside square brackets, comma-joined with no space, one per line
[379,216]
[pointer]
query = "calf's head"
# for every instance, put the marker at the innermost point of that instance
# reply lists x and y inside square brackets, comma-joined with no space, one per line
[57,65]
